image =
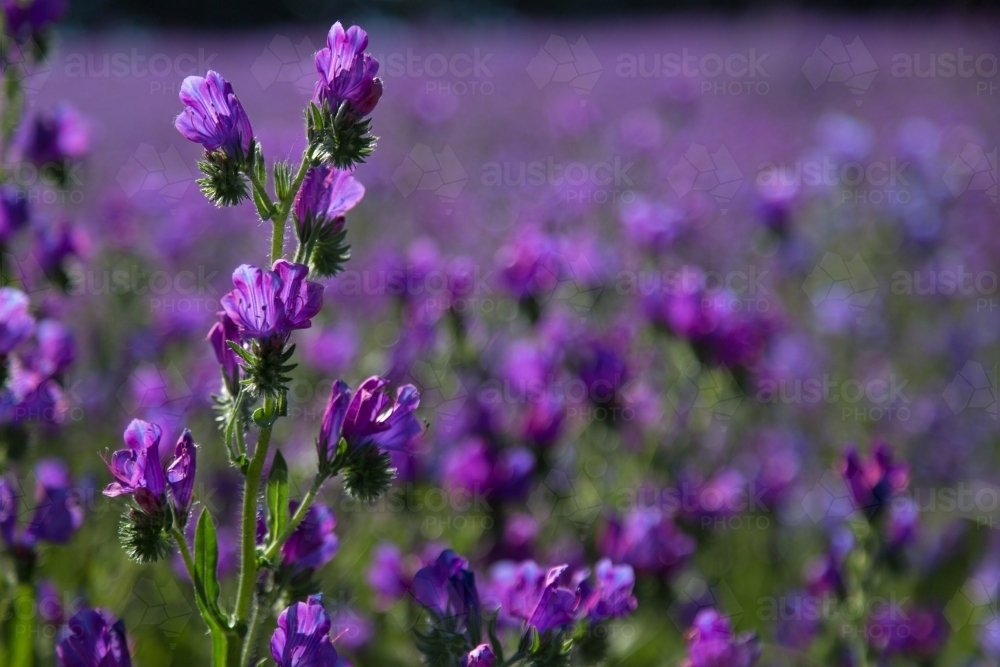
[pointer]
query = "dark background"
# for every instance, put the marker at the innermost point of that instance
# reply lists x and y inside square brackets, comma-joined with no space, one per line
[243,13]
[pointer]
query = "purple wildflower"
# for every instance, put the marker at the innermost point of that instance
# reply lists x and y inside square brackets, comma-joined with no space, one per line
[55,137]
[648,540]
[712,643]
[302,638]
[13,211]
[272,303]
[481,656]
[138,470]
[213,116]
[58,513]
[16,323]
[368,417]
[876,481]
[448,588]
[180,473]
[326,195]
[93,638]
[346,72]
[221,332]
[313,543]
[31,17]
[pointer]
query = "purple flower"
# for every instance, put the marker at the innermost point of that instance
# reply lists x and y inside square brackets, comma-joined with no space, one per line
[448,588]
[272,303]
[481,656]
[526,592]
[326,195]
[648,540]
[711,643]
[611,594]
[302,638]
[16,323]
[55,243]
[13,211]
[876,481]
[222,331]
[351,630]
[368,417]
[346,73]
[32,16]
[915,632]
[93,638]
[386,575]
[55,137]
[213,116]
[50,607]
[180,474]
[138,470]
[58,514]
[312,544]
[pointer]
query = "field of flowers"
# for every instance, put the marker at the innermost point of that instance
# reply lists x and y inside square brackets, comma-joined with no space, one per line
[680,338]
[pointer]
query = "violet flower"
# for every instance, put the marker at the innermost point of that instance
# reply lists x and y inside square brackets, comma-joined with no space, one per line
[180,474]
[221,332]
[138,470]
[387,575]
[610,596]
[29,17]
[346,72]
[313,543]
[712,643]
[55,137]
[268,304]
[326,195]
[93,638]
[58,513]
[302,638]
[526,592]
[214,117]
[648,540]
[368,416]
[447,588]
[13,211]
[16,323]
[876,481]
[481,656]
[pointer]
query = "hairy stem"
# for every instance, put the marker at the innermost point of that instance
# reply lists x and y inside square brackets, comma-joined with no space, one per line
[251,489]
[278,230]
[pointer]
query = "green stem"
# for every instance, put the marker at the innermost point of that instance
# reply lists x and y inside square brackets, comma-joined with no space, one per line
[22,645]
[278,230]
[250,640]
[251,489]
[300,514]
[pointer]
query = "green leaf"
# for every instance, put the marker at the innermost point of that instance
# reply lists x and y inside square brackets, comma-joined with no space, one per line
[206,562]
[263,210]
[277,496]
[494,641]
[282,180]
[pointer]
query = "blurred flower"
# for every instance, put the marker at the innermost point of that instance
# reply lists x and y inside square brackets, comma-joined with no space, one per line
[915,632]
[29,17]
[221,332]
[312,544]
[16,323]
[386,575]
[447,588]
[876,481]
[58,513]
[481,656]
[904,522]
[213,116]
[610,596]
[93,638]
[648,540]
[55,137]
[711,643]
[302,638]
[346,72]
[13,211]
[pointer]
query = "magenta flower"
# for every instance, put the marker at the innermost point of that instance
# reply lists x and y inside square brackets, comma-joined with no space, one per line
[387,575]
[213,116]
[368,417]
[648,540]
[54,348]
[481,656]
[272,303]
[326,195]
[55,137]
[302,638]
[527,592]
[711,643]
[313,543]
[56,242]
[346,72]
[93,638]
[16,323]
[913,631]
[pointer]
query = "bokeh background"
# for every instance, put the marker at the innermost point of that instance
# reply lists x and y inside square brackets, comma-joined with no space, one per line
[602,184]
